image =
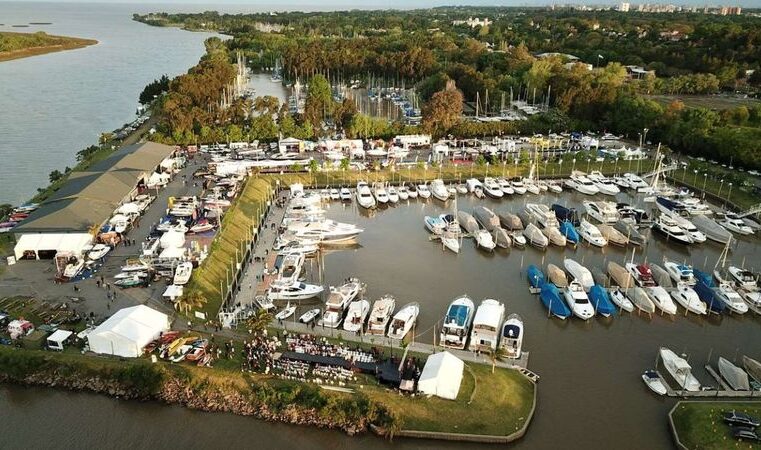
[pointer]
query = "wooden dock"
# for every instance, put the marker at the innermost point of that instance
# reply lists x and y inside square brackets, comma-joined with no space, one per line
[724,392]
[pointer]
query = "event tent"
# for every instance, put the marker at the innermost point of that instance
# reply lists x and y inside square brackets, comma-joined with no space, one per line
[50,244]
[441,376]
[128,331]
[58,338]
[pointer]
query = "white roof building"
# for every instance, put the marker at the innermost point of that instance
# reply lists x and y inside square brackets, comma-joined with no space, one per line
[128,331]
[441,376]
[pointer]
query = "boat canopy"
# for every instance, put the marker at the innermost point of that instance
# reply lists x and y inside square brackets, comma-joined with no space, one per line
[457,314]
[511,331]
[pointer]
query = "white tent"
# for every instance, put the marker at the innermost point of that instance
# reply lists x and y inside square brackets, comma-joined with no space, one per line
[441,376]
[56,340]
[128,331]
[51,242]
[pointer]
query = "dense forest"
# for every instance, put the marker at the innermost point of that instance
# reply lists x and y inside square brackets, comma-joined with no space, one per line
[430,49]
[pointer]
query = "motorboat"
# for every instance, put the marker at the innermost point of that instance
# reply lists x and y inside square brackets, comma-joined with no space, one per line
[557,276]
[295,291]
[591,234]
[411,191]
[457,323]
[452,191]
[603,212]
[403,321]
[310,315]
[461,189]
[486,218]
[492,189]
[98,251]
[550,297]
[403,192]
[731,298]
[356,315]
[555,236]
[628,230]
[633,215]
[505,186]
[654,382]
[683,293]
[264,303]
[542,215]
[634,181]
[393,194]
[735,224]
[487,325]
[510,221]
[502,238]
[535,276]
[338,300]
[601,303]
[579,273]
[670,206]
[512,336]
[619,298]
[679,369]
[484,240]
[667,227]
[182,273]
[640,299]
[307,248]
[326,231]
[532,187]
[365,196]
[380,194]
[345,194]
[555,187]
[74,266]
[565,214]
[439,190]
[569,231]
[706,290]
[472,184]
[519,240]
[712,229]
[753,367]
[613,236]
[201,226]
[423,191]
[335,194]
[747,286]
[519,187]
[643,276]
[286,312]
[467,222]
[620,275]
[380,315]
[578,301]
[535,237]
[621,182]
[450,237]
[582,184]
[289,267]
[735,377]
[680,273]
[696,235]
[134,281]
[123,275]
[435,224]
[604,185]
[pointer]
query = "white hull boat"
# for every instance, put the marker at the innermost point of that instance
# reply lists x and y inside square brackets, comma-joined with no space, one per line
[679,369]
[380,315]
[735,377]
[439,190]
[456,324]
[591,234]
[578,301]
[535,237]
[356,315]
[579,273]
[403,321]
[620,299]
[512,336]
[365,196]
[182,273]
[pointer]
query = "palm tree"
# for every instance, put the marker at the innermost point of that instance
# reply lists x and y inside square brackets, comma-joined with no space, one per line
[496,355]
[259,321]
[193,300]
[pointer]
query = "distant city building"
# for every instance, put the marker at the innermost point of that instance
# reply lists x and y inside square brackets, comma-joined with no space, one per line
[624,6]
[673,35]
[730,11]
[473,22]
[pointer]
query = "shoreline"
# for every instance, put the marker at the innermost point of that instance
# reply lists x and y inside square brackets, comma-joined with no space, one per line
[69,43]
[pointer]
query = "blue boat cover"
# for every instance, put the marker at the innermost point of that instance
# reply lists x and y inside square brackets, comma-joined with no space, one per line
[703,277]
[457,314]
[550,297]
[569,231]
[601,301]
[535,276]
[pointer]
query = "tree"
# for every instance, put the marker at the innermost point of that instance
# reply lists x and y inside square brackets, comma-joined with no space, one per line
[259,322]
[319,102]
[345,164]
[192,300]
[443,111]
[55,176]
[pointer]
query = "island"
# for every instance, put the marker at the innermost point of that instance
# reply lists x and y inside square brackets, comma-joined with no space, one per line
[23,45]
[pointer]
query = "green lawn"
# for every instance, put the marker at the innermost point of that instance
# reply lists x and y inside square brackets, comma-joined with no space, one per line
[699,424]
[717,102]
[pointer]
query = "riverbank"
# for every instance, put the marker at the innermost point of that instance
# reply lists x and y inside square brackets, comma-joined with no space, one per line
[24,45]
[699,424]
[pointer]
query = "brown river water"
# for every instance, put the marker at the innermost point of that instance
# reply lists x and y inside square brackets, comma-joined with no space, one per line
[590,392]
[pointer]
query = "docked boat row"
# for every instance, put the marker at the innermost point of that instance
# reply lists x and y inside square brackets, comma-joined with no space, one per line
[745,376]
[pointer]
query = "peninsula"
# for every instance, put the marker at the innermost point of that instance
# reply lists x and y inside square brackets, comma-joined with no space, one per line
[23,45]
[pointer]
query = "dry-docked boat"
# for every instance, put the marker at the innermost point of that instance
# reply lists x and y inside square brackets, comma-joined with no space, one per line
[753,368]
[629,230]
[640,299]
[620,276]
[502,238]
[711,229]
[542,214]
[613,236]
[535,237]
[734,376]
[510,221]
[555,236]
[381,313]
[579,273]
[557,276]
[486,218]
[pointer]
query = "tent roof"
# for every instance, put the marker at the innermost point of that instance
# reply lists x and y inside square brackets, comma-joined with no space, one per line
[88,198]
[59,336]
[442,375]
[138,324]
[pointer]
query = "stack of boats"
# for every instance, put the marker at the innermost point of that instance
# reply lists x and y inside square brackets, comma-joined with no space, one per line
[733,376]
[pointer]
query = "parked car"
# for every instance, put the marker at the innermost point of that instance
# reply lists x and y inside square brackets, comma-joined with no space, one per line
[745,434]
[740,419]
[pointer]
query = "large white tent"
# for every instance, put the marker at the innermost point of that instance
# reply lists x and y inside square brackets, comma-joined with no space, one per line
[441,376]
[51,243]
[128,331]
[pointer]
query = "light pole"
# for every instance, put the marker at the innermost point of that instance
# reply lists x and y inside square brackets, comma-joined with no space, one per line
[695,180]
[705,180]
[561,167]
[729,194]
[644,138]
[589,160]
[720,186]
[574,165]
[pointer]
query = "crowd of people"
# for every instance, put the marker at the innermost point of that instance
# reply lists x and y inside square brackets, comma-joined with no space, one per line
[314,345]
[258,353]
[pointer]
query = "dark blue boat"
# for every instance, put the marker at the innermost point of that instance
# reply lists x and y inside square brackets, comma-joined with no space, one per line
[706,291]
[535,276]
[569,231]
[550,297]
[563,213]
[666,204]
[600,301]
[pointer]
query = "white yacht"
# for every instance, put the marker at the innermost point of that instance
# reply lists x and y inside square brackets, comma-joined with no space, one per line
[380,315]
[487,326]
[748,287]
[634,181]
[680,273]
[365,196]
[423,191]
[578,301]
[182,273]
[687,297]
[603,212]
[591,234]
[327,231]
[492,189]
[356,315]
[393,194]
[643,276]
[666,226]
[439,190]
[729,296]
[512,336]
[696,235]
[735,224]
[679,369]
[457,322]
[403,192]
[403,321]
[335,194]
[345,194]
[582,184]
[505,186]
[98,251]
[380,193]
[542,214]
[296,291]
[338,300]
[604,185]
[580,273]
[518,187]
[531,186]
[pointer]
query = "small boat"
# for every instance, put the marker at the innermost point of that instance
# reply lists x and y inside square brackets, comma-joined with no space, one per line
[620,275]
[598,296]
[603,212]
[98,251]
[705,289]
[435,224]
[550,297]
[411,191]
[393,195]
[73,268]
[519,240]
[635,215]
[457,322]
[643,276]
[555,187]
[365,196]
[486,326]
[535,276]
[735,224]
[654,382]
[753,368]
[492,189]
[461,189]
[634,181]
[467,222]
[555,236]
[310,315]
[286,312]
[130,282]
[123,275]
[618,297]
[579,273]
[661,276]
[535,237]
[380,194]
[505,186]
[403,192]
[486,218]
[439,190]
[689,299]
[671,231]
[679,369]
[612,235]
[731,298]
[557,276]
[735,377]
[640,299]
[512,336]
[201,226]
[380,315]
[680,273]
[712,229]
[570,233]
[565,214]
[182,273]
[518,187]
[502,238]
[532,187]
[542,215]
[484,240]
[423,191]
[356,315]
[403,321]
[345,194]
[578,301]
[591,234]
[264,303]
[510,221]
[630,232]
[335,194]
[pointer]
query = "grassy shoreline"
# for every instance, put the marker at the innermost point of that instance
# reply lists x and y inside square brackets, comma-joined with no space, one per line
[698,424]
[53,44]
